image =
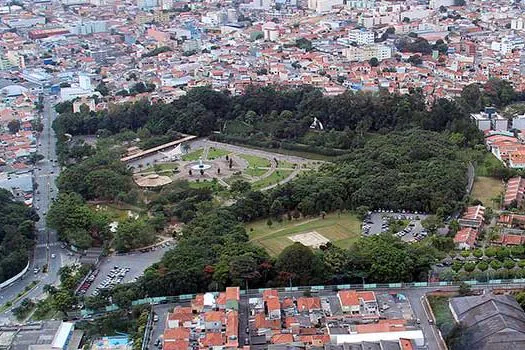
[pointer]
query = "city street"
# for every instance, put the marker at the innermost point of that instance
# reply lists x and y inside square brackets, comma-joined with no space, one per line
[45,174]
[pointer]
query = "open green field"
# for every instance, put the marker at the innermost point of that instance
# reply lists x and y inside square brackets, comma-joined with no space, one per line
[214,153]
[254,165]
[275,177]
[283,164]
[487,188]
[115,212]
[342,230]
[489,162]
[255,162]
[194,155]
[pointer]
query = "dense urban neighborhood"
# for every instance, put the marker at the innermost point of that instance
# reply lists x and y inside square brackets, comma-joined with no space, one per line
[262,174]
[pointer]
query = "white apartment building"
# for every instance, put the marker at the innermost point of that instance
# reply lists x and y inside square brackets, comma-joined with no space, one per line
[323,6]
[361,36]
[517,23]
[365,53]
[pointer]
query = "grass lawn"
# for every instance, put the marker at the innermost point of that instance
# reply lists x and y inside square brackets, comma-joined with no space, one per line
[115,212]
[275,177]
[342,230]
[214,153]
[489,162]
[444,318]
[286,165]
[192,156]
[255,171]
[486,188]
[213,185]
[255,162]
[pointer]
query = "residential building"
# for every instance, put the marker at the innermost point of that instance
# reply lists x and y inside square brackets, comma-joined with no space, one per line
[489,119]
[395,331]
[514,192]
[517,23]
[473,217]
[362,304]
[361,36]
[465,238]
[365,53]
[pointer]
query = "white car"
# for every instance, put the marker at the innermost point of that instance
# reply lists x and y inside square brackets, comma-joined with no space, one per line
[53,256]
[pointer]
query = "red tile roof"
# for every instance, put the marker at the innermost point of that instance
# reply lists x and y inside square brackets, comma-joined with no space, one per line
[348,297]
[233,293]
[212,339]
[382,326]
[281,339]
[466,235]
[308,304]
[176,345]
[172,334]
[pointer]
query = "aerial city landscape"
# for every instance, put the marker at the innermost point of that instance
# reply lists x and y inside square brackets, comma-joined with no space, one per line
[262,174]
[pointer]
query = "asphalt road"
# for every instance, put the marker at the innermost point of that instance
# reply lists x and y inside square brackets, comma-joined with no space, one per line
[45,174]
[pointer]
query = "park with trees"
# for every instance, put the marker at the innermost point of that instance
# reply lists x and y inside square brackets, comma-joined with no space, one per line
[384,151]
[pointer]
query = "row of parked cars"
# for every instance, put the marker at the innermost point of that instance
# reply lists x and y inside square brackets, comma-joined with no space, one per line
[88,282]
[114,277]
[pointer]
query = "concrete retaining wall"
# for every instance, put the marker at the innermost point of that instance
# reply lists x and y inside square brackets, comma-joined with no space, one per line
[14,278]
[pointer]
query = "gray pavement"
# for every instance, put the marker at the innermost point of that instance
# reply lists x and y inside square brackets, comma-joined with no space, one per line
[377,219]
[160,325]
[206,144]
[137,262]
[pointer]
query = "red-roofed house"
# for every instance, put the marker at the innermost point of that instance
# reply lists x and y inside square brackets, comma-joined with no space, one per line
[221,301]
[233,295]
[368,302]
[176,345]
[232,329]
[273,308]
[174,334]
[211,339]
[213,320]
[473,217]
[282,338]
[466,238]
[308,304]
[268,293]
[349,301]
[262,323]
[514,192]
[180,317]
[507,239]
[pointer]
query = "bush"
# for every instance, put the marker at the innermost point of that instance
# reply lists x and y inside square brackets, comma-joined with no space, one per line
[490,252]
[478,253]
[495,264]
[521,263]
[483,266]
[457,266]
[469,267]
[517,251]
[502,253]
[509,264]
[465,253]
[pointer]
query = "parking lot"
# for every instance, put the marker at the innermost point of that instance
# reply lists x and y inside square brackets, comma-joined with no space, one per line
[133,264]
[394,306]
[381,221]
